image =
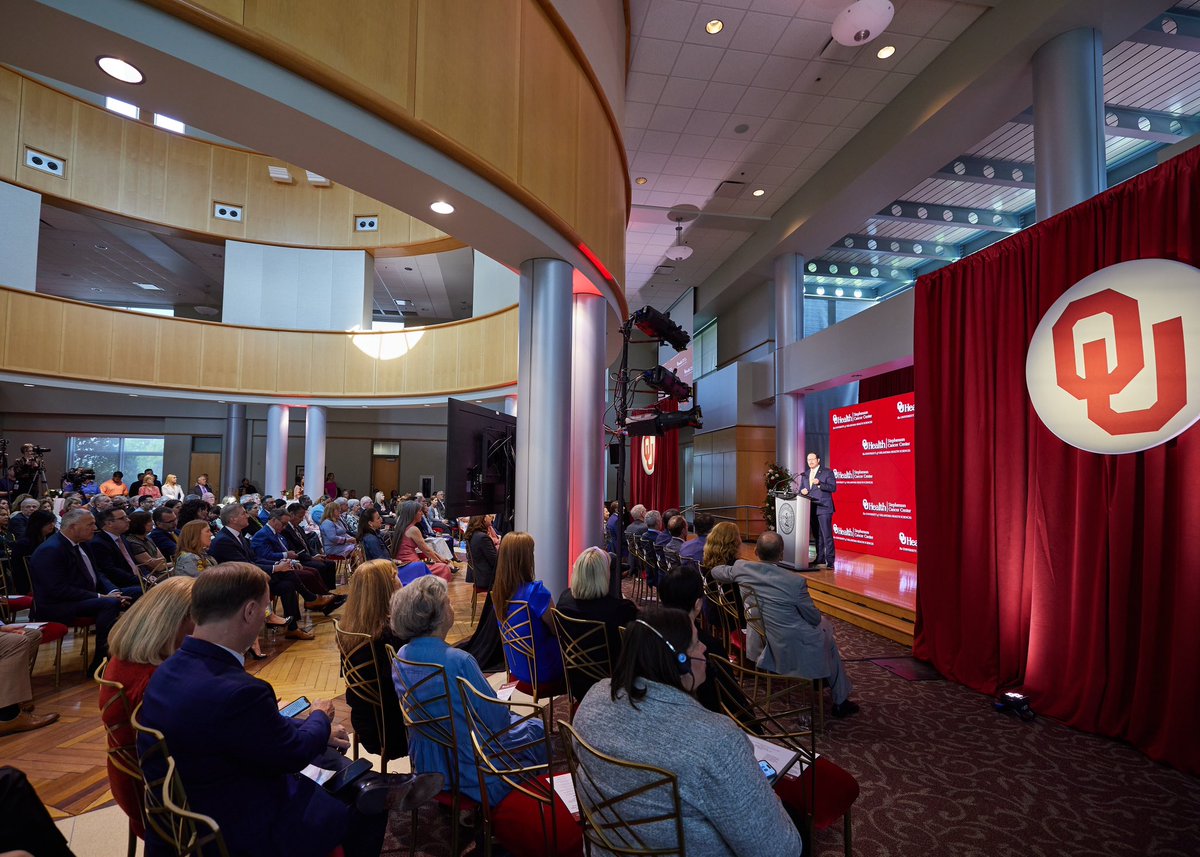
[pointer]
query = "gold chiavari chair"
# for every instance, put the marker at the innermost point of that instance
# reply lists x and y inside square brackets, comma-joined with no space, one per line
[123,757]
[587,656]
[364,677]
[516,631]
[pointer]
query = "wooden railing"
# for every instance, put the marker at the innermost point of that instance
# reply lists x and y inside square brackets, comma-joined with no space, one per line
[47,336]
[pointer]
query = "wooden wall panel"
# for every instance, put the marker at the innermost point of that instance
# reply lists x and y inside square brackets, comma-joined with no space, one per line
[364,40]
[328,370]
[10,122]
[391,371]
[293,360]
[144,177]
[179,355]
[468,67]
[258,367]
[98,145]
[220,354]
[360,369]
[334,228]
[591,179]
[232,9]
[48,125]
[549,115]
[189,170]
[277,211]
[135,346]
[421,359]
[35,333]
[88,340]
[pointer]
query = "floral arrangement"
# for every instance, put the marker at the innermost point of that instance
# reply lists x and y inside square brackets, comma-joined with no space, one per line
[777,478]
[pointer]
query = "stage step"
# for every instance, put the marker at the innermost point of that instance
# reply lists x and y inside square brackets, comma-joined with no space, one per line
[878,617]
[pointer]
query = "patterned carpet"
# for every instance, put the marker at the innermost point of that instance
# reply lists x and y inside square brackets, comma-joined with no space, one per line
[942,774]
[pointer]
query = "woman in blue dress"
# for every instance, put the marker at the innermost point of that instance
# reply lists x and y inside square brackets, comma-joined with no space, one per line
[515,583]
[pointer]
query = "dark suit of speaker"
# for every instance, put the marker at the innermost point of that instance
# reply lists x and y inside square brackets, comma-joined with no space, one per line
[821,495]
[229,547]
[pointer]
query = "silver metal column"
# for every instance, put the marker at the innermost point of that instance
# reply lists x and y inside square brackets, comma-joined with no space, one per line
[789,328]
[233,461]
[1068,120]
[276,482]
[314,451]
[588,454]
[544,424]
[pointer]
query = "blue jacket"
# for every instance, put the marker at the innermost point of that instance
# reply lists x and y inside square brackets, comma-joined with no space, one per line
[268,547]
[60,578]
[238,758]
[166,542]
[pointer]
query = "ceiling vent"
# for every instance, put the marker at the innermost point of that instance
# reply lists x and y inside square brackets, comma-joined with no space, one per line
[316,180]
[279,174]
[833,52]
[729,189]
[664,270]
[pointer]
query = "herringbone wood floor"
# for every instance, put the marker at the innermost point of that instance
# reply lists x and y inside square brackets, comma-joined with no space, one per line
[65,762]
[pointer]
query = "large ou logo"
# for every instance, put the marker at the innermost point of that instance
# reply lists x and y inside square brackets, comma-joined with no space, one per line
[1107,368]
[648,453]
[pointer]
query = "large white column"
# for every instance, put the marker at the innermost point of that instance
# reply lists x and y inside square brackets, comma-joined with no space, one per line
[314,451]
[588,454]
[1068,121]
[789,328]
[233,461]
[276,482]
[543,426]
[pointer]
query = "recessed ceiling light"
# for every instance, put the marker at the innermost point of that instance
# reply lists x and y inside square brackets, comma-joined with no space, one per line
[402,302]
[120,69]
[440,207]
[27,385]
[150,287]
[759,192]
[94,289]
[820,290]
[858,293]
[714,26]
[838,292]
[641,180]
[886,51]
[133,395]
[168,124]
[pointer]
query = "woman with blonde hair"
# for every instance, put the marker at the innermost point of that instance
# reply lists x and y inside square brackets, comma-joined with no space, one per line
[368,611]
[148,488]
[723,545]
[589,597]
[148,634]
[515,582]
[171,489]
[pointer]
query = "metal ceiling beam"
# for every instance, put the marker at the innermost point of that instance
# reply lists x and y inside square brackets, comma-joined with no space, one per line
[855,271]
[1173,29]
[989,171]
[885,246]
[925,214]
[1153,125]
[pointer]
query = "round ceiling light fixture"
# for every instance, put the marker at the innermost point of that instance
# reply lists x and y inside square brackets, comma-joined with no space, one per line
[714,26]
[681,214]
[886,52]
[759,192]
[640,180]
[862,22]
[441,207]
[121,70]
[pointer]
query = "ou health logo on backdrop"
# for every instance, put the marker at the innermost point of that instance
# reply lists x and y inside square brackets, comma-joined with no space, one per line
[1114,365]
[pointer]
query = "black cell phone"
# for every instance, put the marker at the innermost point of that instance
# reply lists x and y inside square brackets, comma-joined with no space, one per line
[346,777]
[296,707]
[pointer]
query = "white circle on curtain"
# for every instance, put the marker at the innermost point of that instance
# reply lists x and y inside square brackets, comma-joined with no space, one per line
[1114,365]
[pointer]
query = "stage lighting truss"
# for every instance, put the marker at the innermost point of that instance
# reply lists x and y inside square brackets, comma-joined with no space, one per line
[658,325]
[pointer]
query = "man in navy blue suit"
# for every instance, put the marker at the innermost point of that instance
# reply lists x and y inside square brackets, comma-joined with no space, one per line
[269,549]
[111,554]
[231,545]
[819,483]
[163,535]
[238,758]
[67,585]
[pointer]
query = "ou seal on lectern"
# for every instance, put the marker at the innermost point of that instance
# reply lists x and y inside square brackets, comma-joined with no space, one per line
[787,519]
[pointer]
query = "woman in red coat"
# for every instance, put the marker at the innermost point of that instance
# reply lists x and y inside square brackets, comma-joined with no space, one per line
[145,636]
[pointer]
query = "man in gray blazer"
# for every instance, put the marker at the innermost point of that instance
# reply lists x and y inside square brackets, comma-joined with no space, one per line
[799,639]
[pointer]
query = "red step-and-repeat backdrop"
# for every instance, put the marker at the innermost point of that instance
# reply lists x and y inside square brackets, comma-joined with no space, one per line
[871,453]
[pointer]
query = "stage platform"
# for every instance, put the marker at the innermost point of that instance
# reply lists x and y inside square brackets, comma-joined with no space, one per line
[872,592]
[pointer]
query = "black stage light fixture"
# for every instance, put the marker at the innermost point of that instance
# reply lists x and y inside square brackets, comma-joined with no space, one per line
[664,423]
[658,325]
[667,382]
[1014,703]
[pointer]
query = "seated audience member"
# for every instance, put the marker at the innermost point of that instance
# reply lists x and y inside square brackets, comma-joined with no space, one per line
[231,545]
[165,527]
[370,525]
[145,552]
[677,529]
[350,517]
[292,535]
[247,487]
[656,531]
[335,536]
[38,528]
[194,509]
[145,503]
[18,648]
[515,582]
[70,501]
[46,504]
[799,639]
[253,524]
[408,542]
[422,613]
[201,487]
[111,555]
[6,539]
[67,586]
[269,549]
[89,488]
[728,806]
[368,612]
[144,637]
[588,598]
[171,489]
[694,550]
[238,758]
[148,488]
[192,557]
[18,522]
[683,589]
[637,524]
[115,487]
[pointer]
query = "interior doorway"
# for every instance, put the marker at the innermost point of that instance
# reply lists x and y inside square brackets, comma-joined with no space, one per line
[385,474]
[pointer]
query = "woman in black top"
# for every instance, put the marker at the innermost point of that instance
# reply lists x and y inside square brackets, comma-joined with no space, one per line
[588,598]
[40,528]
[481,552]
[484,644]
[367,612]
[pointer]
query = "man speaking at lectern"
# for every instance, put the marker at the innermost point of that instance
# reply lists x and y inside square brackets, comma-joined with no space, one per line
[818,485]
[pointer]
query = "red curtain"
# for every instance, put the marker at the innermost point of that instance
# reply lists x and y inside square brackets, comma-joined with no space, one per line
[660,489]
[1070,575]
[894,383]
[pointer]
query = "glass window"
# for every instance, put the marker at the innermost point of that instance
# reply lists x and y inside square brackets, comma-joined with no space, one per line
[844,309]
[816,315]
[385,447]
[130,455]
[704,345]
